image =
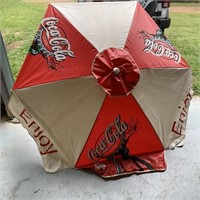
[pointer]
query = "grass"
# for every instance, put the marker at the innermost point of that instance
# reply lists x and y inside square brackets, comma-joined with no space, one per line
[19,21]
[184,4]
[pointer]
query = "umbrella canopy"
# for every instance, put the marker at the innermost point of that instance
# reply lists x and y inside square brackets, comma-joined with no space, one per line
[102,88]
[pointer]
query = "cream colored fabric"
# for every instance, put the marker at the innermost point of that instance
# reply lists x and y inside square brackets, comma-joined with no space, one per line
[164,95]
[66,110]
[102,31]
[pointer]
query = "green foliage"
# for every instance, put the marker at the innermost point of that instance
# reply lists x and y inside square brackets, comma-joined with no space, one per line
[19,21]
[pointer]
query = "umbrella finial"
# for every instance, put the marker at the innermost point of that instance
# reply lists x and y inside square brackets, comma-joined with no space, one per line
[116,70]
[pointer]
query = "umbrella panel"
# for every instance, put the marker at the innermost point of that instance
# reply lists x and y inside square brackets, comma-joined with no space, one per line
[121,136]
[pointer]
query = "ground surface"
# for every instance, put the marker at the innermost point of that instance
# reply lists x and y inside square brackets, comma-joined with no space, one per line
[184,9]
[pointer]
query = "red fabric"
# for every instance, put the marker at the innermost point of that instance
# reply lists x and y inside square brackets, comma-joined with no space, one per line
[120,128]
[58,37]
[116,71]
[148,45]
[149,162]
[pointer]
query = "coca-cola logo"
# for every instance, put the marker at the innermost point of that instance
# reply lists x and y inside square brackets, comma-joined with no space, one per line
[159,46]
[112,140]
[52,43]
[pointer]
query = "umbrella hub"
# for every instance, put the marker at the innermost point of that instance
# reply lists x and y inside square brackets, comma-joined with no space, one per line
[116,71]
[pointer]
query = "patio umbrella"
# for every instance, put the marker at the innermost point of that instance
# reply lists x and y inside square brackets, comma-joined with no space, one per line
[102,88]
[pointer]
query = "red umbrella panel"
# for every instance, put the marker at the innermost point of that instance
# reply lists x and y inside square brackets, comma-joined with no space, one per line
[102,88]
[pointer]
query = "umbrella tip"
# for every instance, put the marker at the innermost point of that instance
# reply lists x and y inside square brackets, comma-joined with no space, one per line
[116,70]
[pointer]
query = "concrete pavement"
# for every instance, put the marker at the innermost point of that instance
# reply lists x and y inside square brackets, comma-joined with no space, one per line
[23,176]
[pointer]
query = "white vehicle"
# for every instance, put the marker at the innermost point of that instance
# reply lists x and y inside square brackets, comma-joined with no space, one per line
[157,9]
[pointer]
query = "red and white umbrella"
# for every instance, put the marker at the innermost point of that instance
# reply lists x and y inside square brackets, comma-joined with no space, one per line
[102,88]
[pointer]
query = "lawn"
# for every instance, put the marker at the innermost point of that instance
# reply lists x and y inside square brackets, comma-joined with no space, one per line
[20,19]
